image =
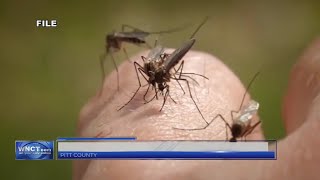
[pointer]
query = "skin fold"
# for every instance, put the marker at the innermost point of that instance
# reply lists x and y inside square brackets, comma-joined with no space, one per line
[298,153]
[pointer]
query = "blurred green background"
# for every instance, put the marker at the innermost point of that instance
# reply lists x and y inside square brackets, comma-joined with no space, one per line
[48,74]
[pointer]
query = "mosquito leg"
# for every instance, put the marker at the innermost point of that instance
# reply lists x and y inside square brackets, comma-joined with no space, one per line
[143,59]
[181,65]
[165,97]
[142,72]
[137,68]
[146,102]
[127,56]
[227,125]
[205,127]
[194,90]
[144,97]
[116,67]
[102,60]
[233,112]
[191,79]
[145,85]
[172,99]
[184,75]
[249,131]
[179,84]
[145,94]
[181,68]
[227,135]
[196,75]
[193,99]
[195,93]
[170,95]
[156,92]
[130,99]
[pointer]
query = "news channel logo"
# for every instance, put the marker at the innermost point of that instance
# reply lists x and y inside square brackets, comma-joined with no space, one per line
[34,150]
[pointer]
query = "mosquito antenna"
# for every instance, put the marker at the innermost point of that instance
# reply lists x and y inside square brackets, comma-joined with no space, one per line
[247,88]
[198,28]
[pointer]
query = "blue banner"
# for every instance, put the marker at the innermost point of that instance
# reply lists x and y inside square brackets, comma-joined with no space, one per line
[167,155]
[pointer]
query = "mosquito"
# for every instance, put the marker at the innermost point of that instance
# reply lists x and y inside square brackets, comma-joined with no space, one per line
[241,125]
[136,36]
[157,71]
[152,62]
[154,59]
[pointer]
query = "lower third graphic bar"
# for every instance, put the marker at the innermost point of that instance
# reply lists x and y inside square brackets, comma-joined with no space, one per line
[166,150]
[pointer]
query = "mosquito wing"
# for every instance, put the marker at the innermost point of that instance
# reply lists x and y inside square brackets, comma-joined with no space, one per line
[249,111]
[178,54]
[133,34]
[155,53]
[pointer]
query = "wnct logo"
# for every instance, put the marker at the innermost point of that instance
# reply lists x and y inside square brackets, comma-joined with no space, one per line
[29,148]
[34,150]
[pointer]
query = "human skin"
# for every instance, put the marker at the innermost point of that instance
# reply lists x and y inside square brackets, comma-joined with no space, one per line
[298,153]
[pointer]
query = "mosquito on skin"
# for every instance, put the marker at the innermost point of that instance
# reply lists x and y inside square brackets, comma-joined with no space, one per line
[241,124]
[152,61]
[157,72]
[136,36]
